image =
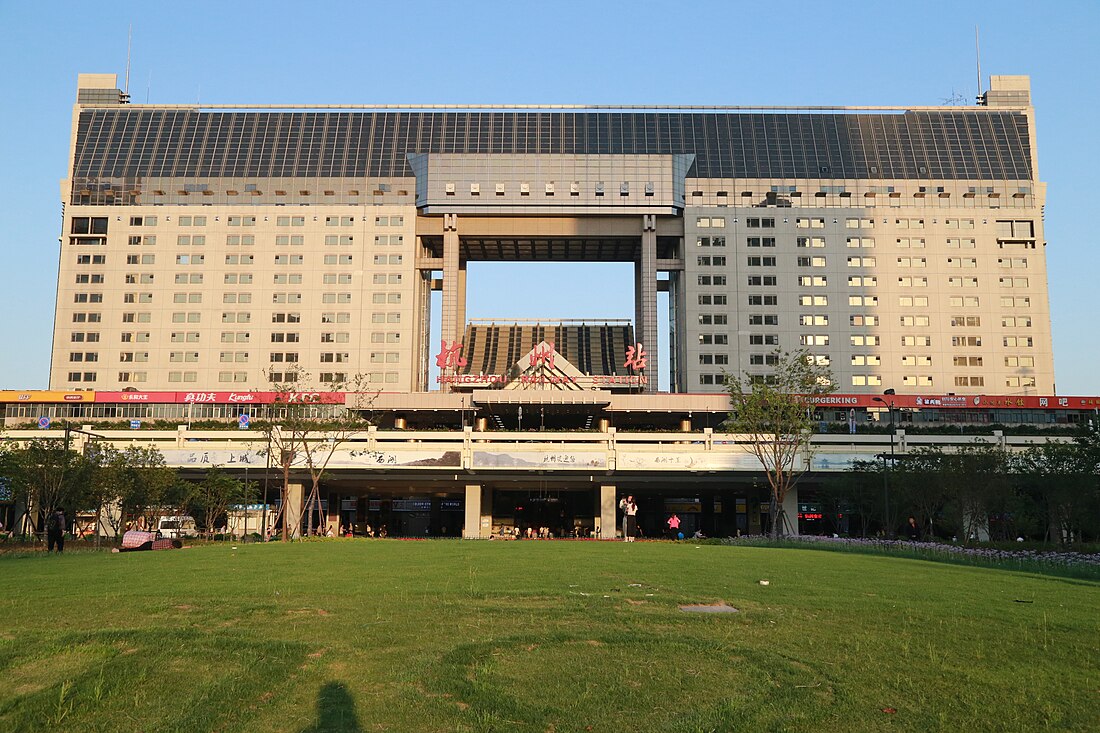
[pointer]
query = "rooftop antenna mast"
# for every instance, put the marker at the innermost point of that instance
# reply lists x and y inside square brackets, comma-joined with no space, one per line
[978,59]
[129,39]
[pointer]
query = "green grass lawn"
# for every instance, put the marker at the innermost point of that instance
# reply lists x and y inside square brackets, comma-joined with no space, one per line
[365,635]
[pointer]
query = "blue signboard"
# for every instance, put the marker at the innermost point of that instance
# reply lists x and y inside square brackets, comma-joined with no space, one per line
[44,422]
[242,422]
[135,424]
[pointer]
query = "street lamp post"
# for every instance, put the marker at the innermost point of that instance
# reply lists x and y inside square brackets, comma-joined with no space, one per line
[267,473]
[247,495]
[886,470]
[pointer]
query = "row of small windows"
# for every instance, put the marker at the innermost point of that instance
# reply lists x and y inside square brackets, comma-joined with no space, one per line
[859,223]
[282,240]
[334,377]
[550,188]
[150,259]
[902,262]
[858,340]
[873,380]
[850,242]
[234,278]
[1006,228]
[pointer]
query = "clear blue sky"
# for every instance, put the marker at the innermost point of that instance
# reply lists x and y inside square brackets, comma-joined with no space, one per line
[851,53]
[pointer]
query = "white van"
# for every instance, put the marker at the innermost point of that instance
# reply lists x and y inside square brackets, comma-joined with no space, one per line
[177,527]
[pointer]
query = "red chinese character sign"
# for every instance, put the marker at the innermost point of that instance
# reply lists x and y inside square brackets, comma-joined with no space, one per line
[543,355]
[449,357]
[635,357]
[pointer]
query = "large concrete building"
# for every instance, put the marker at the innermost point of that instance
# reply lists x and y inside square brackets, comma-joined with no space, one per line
[221,247]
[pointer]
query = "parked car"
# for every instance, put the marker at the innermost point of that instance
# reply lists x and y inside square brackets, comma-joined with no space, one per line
[177,527]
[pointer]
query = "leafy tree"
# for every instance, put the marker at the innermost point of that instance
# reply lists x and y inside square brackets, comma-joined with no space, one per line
[1088,444]
[215,494]
[775,412]
[976,483]
[101,489]
[308,426]
[918,489]
[854,493]
[46,475]
[143,486]
[1059,480]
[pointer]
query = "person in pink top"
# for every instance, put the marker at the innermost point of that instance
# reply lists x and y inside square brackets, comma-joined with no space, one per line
[673,526]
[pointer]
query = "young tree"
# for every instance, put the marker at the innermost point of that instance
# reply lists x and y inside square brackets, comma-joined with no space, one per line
[143,486]
[214,495]
[46,475]
[976,483]
[102,491]
[775,412]
[918,488]
[855,493]
[308,426]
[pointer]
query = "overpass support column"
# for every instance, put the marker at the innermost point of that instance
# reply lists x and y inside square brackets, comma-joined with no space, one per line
[479,512]
[471,525]
[706,516]
[645,298]
[292,512]
[454,282]
[435,517]
[790,512]
[605,513]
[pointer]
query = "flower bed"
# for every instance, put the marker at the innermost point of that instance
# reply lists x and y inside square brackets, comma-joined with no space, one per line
[1075,564]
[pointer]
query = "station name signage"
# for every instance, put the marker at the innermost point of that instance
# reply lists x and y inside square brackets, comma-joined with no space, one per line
[595,380]
[544,355]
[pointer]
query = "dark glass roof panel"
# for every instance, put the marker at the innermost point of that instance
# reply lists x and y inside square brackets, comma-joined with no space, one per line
[132,143]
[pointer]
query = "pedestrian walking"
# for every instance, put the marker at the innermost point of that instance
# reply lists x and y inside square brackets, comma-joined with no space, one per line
[55,531]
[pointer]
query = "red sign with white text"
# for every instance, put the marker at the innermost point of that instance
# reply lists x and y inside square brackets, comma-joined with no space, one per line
[146,397]
[224,398]
[839,401]
[967,402]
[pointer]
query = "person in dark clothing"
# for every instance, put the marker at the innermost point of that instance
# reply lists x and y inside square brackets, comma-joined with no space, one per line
[55,531]
[630,518]
[912,530]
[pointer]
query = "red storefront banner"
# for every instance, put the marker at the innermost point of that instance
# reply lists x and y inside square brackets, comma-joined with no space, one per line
[838,401]
[224,398]
[144,397]
[962,402]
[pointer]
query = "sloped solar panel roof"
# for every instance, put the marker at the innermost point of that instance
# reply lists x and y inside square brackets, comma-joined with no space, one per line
[140,142]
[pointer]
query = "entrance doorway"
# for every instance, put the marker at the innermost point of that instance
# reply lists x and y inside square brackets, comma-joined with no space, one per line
[556,512]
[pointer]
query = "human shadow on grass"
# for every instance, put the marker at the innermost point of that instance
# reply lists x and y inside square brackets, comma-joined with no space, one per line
[335,711]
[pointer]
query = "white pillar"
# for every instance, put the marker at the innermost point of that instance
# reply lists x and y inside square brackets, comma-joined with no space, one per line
[790,511]
[292,512]
[605,520]
[471,527]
